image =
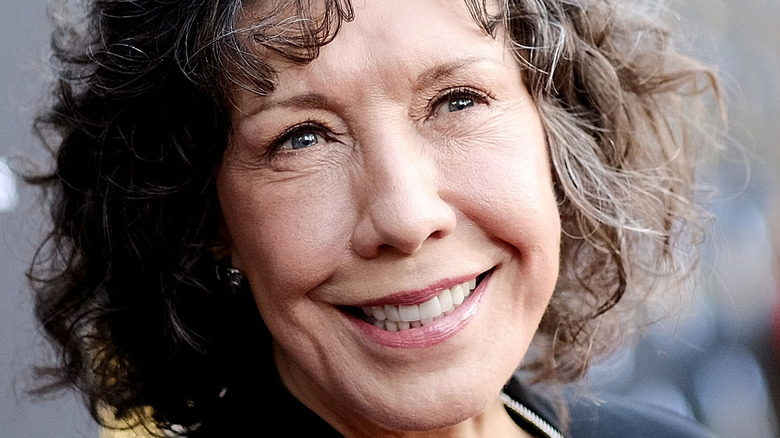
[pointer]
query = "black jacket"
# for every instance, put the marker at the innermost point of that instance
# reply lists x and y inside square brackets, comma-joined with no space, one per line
[612,416]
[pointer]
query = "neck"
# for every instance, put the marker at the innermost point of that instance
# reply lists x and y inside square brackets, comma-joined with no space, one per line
[493,422]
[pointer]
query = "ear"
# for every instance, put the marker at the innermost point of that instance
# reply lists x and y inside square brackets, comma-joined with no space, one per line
[222,246]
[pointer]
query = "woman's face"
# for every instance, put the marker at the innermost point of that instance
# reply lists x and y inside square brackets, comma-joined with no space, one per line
[380,183]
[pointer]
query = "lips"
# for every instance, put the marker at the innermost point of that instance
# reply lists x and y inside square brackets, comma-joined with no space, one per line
[394,318]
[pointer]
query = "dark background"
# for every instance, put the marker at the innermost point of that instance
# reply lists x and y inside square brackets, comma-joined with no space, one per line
[716,361]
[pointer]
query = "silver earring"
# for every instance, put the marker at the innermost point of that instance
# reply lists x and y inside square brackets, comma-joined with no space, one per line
[229,276]
[234,277]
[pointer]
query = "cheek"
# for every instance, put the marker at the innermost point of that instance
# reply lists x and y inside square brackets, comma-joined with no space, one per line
[287,238]
[519,208]
[504,185]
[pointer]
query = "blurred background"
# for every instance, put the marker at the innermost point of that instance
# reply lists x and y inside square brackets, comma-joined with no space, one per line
[716,361]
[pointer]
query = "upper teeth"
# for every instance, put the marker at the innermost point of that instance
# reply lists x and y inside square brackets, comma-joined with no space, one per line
[394,318]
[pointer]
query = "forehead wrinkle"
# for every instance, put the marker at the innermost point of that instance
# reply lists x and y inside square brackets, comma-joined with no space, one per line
[314,100]
[369,66]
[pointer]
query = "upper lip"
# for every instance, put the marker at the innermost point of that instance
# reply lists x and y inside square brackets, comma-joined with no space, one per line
[418,296]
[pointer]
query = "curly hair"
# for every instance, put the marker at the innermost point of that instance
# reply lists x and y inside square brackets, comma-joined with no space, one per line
[125,283]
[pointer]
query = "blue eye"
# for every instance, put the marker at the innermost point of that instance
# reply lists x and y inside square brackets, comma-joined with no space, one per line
[299,137]
[458,99]
[460,104]
[303,140]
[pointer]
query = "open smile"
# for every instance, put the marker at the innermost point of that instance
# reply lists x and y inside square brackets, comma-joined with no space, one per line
[400,317]
[395,318]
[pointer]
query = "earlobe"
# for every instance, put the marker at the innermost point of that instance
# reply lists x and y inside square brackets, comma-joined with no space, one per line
[222,246]
[229,265]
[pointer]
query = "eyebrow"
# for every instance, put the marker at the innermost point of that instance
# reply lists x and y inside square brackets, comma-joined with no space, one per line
[446,70]
[301,101]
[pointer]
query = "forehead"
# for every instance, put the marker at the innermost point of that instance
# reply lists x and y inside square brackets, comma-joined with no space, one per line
[387,41]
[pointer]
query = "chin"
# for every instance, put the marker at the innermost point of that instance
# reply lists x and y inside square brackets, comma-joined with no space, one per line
[440,404]
[435,415]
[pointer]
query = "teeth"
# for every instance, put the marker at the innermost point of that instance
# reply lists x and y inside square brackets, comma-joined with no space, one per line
[445,301]
[391,326]
[409,313]
[457,295]
[379,313]
[392,313]
[396,318]
[430,309]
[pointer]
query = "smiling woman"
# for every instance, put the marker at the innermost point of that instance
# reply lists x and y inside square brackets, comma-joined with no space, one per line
[391,187]
[362,215]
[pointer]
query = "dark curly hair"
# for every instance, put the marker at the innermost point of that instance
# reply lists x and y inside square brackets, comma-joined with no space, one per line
[125,281]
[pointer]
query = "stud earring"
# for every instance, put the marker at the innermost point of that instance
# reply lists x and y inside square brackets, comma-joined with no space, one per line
[229,276]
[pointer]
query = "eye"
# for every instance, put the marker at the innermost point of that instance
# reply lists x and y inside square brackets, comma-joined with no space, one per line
[301,141]
[301,136]
[460,104]
[457,99]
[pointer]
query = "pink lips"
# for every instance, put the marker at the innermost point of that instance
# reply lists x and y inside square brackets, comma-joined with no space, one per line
[418,296]
[431,334]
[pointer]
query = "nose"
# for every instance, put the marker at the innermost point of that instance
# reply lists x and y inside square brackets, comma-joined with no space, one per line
[401,207]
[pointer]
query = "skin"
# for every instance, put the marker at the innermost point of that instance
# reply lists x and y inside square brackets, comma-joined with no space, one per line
[423,163]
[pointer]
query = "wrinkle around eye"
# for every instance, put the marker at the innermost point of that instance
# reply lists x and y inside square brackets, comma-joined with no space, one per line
[472,126]
[260,173]
[472,118]
[326,156]
[280,136]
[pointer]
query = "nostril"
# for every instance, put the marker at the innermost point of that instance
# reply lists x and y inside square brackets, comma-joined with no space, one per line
[438,234]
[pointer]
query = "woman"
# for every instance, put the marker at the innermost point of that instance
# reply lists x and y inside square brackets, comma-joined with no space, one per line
[360,215]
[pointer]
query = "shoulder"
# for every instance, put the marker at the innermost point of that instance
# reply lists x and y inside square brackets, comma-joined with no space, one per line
[615,416]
